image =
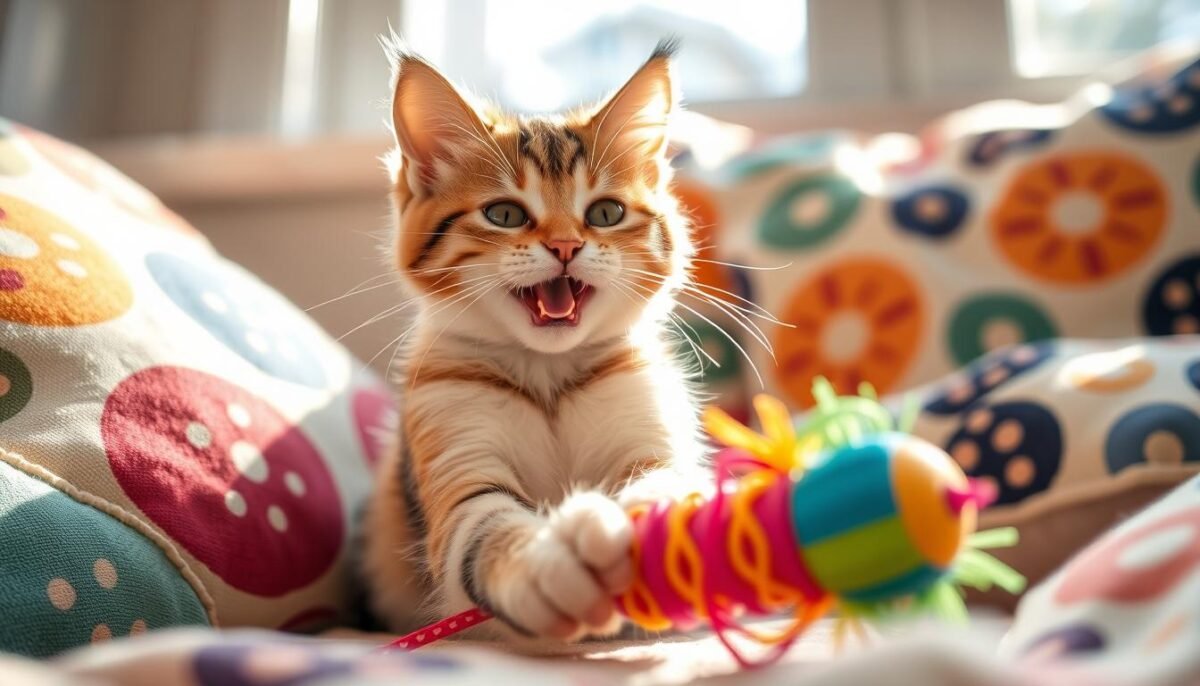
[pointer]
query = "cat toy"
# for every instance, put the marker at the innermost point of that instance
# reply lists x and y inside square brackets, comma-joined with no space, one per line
[845,512]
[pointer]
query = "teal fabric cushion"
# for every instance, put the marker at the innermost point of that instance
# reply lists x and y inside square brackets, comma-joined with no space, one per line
[70,573]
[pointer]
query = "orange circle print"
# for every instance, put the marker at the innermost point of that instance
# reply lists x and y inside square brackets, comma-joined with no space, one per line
[1080,218]
[859,320]
[53,275]
[696,203]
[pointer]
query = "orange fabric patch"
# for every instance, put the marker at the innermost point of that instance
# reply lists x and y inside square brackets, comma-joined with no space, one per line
[697,204]
[53,275]
[862,319]
[1080,217]
[920,476]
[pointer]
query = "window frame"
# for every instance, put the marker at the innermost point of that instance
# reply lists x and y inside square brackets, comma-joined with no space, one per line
[872,66]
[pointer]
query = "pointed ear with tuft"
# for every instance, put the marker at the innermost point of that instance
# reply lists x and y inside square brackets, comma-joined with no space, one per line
[636,117]
[430,118]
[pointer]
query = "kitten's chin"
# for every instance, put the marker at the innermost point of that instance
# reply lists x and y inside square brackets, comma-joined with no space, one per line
[552,340]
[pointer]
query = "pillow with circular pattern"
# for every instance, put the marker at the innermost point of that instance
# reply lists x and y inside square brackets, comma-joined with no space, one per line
[178,443]
[1009,223]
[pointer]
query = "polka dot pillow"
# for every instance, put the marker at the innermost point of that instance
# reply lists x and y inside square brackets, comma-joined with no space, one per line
[1125,609]
[1016,223]
[1075,435]
[178,444]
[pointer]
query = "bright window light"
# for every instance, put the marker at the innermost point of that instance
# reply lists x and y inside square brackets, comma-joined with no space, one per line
[536,56]
[299,67]
[1060,37]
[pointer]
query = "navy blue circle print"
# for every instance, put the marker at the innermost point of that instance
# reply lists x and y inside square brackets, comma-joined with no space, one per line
[1193,374]
[986,375]
[1160,434]
[1015,445]
[740,278]
[300,662]
[1167,107]
[246,316]
[1068,640]
[1172,305]
[932,211]
[994,145]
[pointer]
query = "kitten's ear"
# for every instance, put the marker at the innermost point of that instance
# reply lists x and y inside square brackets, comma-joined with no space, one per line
[430,118]
[635,118]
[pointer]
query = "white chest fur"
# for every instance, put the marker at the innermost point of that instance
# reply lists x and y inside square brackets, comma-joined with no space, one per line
[558,437]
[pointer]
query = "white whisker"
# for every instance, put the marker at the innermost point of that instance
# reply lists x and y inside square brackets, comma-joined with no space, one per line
[489,289]
[675,321]
[396,309]
[412,327]
[726,334]
[757,310]
[724,264]
[358,289]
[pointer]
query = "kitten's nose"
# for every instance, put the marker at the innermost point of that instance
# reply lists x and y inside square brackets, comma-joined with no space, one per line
[564,250]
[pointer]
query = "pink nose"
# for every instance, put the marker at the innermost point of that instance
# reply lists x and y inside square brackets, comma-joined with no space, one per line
[564,250]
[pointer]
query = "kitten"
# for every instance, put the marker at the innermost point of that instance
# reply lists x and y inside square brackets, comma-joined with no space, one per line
[540,398]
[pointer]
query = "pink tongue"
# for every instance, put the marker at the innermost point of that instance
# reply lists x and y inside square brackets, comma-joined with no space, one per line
[555,298]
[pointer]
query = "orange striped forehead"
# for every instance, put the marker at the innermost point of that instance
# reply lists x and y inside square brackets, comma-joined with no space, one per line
[551,168]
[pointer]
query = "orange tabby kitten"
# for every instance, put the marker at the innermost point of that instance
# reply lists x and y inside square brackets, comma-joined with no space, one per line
[539,397]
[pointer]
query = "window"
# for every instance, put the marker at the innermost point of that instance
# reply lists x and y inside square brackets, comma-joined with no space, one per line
[300,68]
[538,56]
[1062,37]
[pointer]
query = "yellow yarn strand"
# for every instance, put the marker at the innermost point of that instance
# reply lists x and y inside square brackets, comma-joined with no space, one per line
[681,548]
[744,526]
[733,433]
[805,614]
[640,604]
[776,422]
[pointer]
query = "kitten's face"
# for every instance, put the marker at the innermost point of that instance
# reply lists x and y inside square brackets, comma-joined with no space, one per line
[549,233]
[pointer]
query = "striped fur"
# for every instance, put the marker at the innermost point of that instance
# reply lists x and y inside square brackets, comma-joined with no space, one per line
[521,445]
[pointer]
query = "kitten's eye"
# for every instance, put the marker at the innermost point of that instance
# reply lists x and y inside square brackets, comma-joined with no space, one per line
[508,215]
[604,213]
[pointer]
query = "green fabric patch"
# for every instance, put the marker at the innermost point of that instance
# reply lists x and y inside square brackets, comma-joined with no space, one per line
[16,385]
[70,573]
[868,555]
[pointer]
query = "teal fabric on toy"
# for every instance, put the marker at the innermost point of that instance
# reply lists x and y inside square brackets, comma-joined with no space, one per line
[71,574]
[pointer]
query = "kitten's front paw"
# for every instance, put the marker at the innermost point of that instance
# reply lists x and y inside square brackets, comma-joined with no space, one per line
[599,532]
[563,581]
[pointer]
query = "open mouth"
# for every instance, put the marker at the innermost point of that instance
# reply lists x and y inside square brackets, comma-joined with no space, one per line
[557,302]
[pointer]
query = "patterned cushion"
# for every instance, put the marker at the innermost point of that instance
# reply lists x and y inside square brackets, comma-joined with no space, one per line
[178,444]
[1015,226]
[1125,609]
[1015,223]
[1075,435]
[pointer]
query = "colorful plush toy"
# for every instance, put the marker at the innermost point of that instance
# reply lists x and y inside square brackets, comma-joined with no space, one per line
[843,511]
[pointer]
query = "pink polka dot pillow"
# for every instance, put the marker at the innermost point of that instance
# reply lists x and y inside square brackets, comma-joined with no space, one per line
[1124,610]
[178,443]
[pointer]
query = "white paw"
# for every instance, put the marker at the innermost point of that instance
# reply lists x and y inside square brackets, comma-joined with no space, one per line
[598,530]
[563,581]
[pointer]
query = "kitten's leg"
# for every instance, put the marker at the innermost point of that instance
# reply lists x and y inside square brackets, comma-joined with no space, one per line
[393,561]
[550,575]
[564,571]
